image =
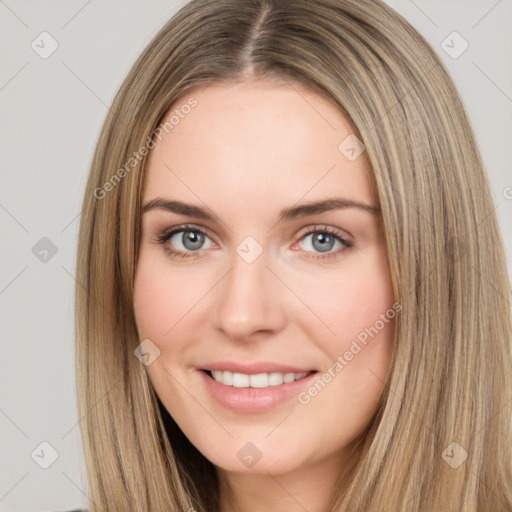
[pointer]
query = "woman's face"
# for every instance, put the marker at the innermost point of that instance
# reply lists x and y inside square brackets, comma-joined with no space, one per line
[265,287]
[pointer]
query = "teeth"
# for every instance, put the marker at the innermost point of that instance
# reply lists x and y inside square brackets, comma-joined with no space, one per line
[259,380]
[240,380]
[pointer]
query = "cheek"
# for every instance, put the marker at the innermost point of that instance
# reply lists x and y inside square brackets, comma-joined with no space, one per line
[165,307]
[348,301]
[357,306]
[163,298]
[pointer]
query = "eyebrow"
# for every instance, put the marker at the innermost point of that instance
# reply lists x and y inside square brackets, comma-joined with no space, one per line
[293,212]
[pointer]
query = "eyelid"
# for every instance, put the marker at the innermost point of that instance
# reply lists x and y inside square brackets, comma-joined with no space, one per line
[314,228]
[345,242]
[167,233]
[309,229]
[164,236]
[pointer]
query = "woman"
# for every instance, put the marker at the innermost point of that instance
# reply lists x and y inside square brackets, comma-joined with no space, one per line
[293,291]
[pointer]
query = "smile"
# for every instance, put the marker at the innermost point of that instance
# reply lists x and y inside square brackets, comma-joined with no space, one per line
[254,392]
[258,380]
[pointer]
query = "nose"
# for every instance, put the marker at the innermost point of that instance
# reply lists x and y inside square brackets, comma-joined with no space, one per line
[249,300]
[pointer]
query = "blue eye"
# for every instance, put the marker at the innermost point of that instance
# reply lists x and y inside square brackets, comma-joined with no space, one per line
[188,241]
[190,238]
[323,240]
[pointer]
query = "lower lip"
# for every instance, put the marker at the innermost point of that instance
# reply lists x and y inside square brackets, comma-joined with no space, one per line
[254,399]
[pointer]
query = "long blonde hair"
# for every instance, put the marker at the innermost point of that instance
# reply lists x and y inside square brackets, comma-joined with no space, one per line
[450,379]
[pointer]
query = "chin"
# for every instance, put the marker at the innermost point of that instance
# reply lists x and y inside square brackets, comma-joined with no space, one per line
[241,456]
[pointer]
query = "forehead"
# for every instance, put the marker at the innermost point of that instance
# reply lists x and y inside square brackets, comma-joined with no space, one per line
[255,145]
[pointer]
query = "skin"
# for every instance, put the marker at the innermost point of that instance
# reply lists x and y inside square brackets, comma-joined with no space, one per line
[246,151]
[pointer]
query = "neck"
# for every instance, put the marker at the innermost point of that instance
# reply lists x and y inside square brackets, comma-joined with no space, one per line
[307,488]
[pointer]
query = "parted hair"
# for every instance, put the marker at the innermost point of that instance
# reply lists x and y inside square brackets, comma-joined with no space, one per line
[450,375]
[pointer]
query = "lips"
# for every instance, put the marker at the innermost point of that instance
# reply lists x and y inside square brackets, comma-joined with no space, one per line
[254,367]
[265,395]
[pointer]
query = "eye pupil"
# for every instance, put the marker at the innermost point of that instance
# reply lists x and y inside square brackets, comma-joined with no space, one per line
[192,240]
[326,242]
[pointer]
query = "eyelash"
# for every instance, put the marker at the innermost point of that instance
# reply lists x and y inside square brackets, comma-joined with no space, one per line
[165,235]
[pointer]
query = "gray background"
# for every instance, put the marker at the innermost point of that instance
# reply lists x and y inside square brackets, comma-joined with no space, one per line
[52,110]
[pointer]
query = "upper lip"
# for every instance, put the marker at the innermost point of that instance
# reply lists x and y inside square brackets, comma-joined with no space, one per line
[254,367]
